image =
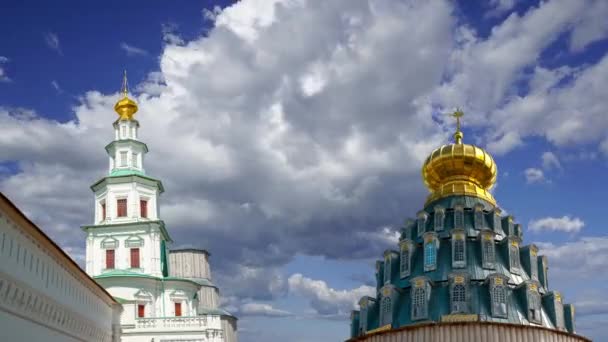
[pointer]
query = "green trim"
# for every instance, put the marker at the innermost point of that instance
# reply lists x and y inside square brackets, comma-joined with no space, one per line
[130,274]
[128,179]
[126,142]
[123,301]
[126,172]
[161,226]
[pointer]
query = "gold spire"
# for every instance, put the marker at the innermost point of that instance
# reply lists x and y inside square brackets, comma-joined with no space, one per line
[459,169]
[125,107]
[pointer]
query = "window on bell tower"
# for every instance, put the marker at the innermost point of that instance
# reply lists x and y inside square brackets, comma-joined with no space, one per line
[123,158]
[459,256]
[421,222]
[488,250]
[406,255]
[135,161]
[430,252]
[458,294]
[439,218]
[420,294]
[121,207]
[514,262]
[478,217]
[459,216]
[498,296]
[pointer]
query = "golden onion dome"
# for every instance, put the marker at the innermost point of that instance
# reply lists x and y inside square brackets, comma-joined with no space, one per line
[459,169]
[125,107]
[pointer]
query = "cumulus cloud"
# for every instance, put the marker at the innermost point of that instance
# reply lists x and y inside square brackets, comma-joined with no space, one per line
[327,301]
[133,50]
[561,224]
[52,41]
[534,175]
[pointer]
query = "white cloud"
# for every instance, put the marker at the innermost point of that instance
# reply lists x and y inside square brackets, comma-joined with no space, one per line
[498,7]
[133,50]
[326,300]
[52,41]
[592,26]
[56,86]
[3,76]
[550,161]
[534,175]
[562,224]
[262,309]
[577,261]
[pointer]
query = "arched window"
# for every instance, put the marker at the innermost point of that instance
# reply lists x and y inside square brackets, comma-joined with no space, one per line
[488,251]
[419,304]
[404,265]
[459,299]
[498,296]
[386,310]
[422,216]
[430,256]
[514,257]
[459,216]
[458,249]
[439,218]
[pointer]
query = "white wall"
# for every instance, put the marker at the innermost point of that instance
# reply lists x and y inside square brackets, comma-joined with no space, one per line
[41,288]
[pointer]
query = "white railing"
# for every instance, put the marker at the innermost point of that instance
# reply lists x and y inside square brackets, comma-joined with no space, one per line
[170,322]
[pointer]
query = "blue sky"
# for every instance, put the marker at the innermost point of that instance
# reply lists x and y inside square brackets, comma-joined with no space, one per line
[290,134]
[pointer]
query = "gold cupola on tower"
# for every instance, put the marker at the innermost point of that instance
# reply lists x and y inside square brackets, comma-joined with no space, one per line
[459,170]
[125,107]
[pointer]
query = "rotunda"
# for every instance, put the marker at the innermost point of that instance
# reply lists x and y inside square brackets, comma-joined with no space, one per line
[460,271]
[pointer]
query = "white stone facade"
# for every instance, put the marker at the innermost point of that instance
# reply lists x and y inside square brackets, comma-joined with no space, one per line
[44,295]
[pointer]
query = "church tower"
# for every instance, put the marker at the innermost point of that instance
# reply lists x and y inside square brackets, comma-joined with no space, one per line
[460,271]
[126,203]
[165,295]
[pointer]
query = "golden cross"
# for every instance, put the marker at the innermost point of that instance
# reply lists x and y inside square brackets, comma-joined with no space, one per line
[458,135]
[458,114]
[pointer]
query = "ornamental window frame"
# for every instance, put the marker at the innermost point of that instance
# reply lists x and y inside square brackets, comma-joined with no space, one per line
[123,158]
[146,299]
[534,306]
[459,293]
[499,295]
[514,259]
[109,243]
[364,304]
[560,321]
[459,248]
[488,249]
[534,262]
[497,221]
[406,251]
[387,267]
[439,218]
[135,160]
[478,217]
[430,247]
[421,219]
[420,294]
[508,222]
[386,305]
[459,216]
